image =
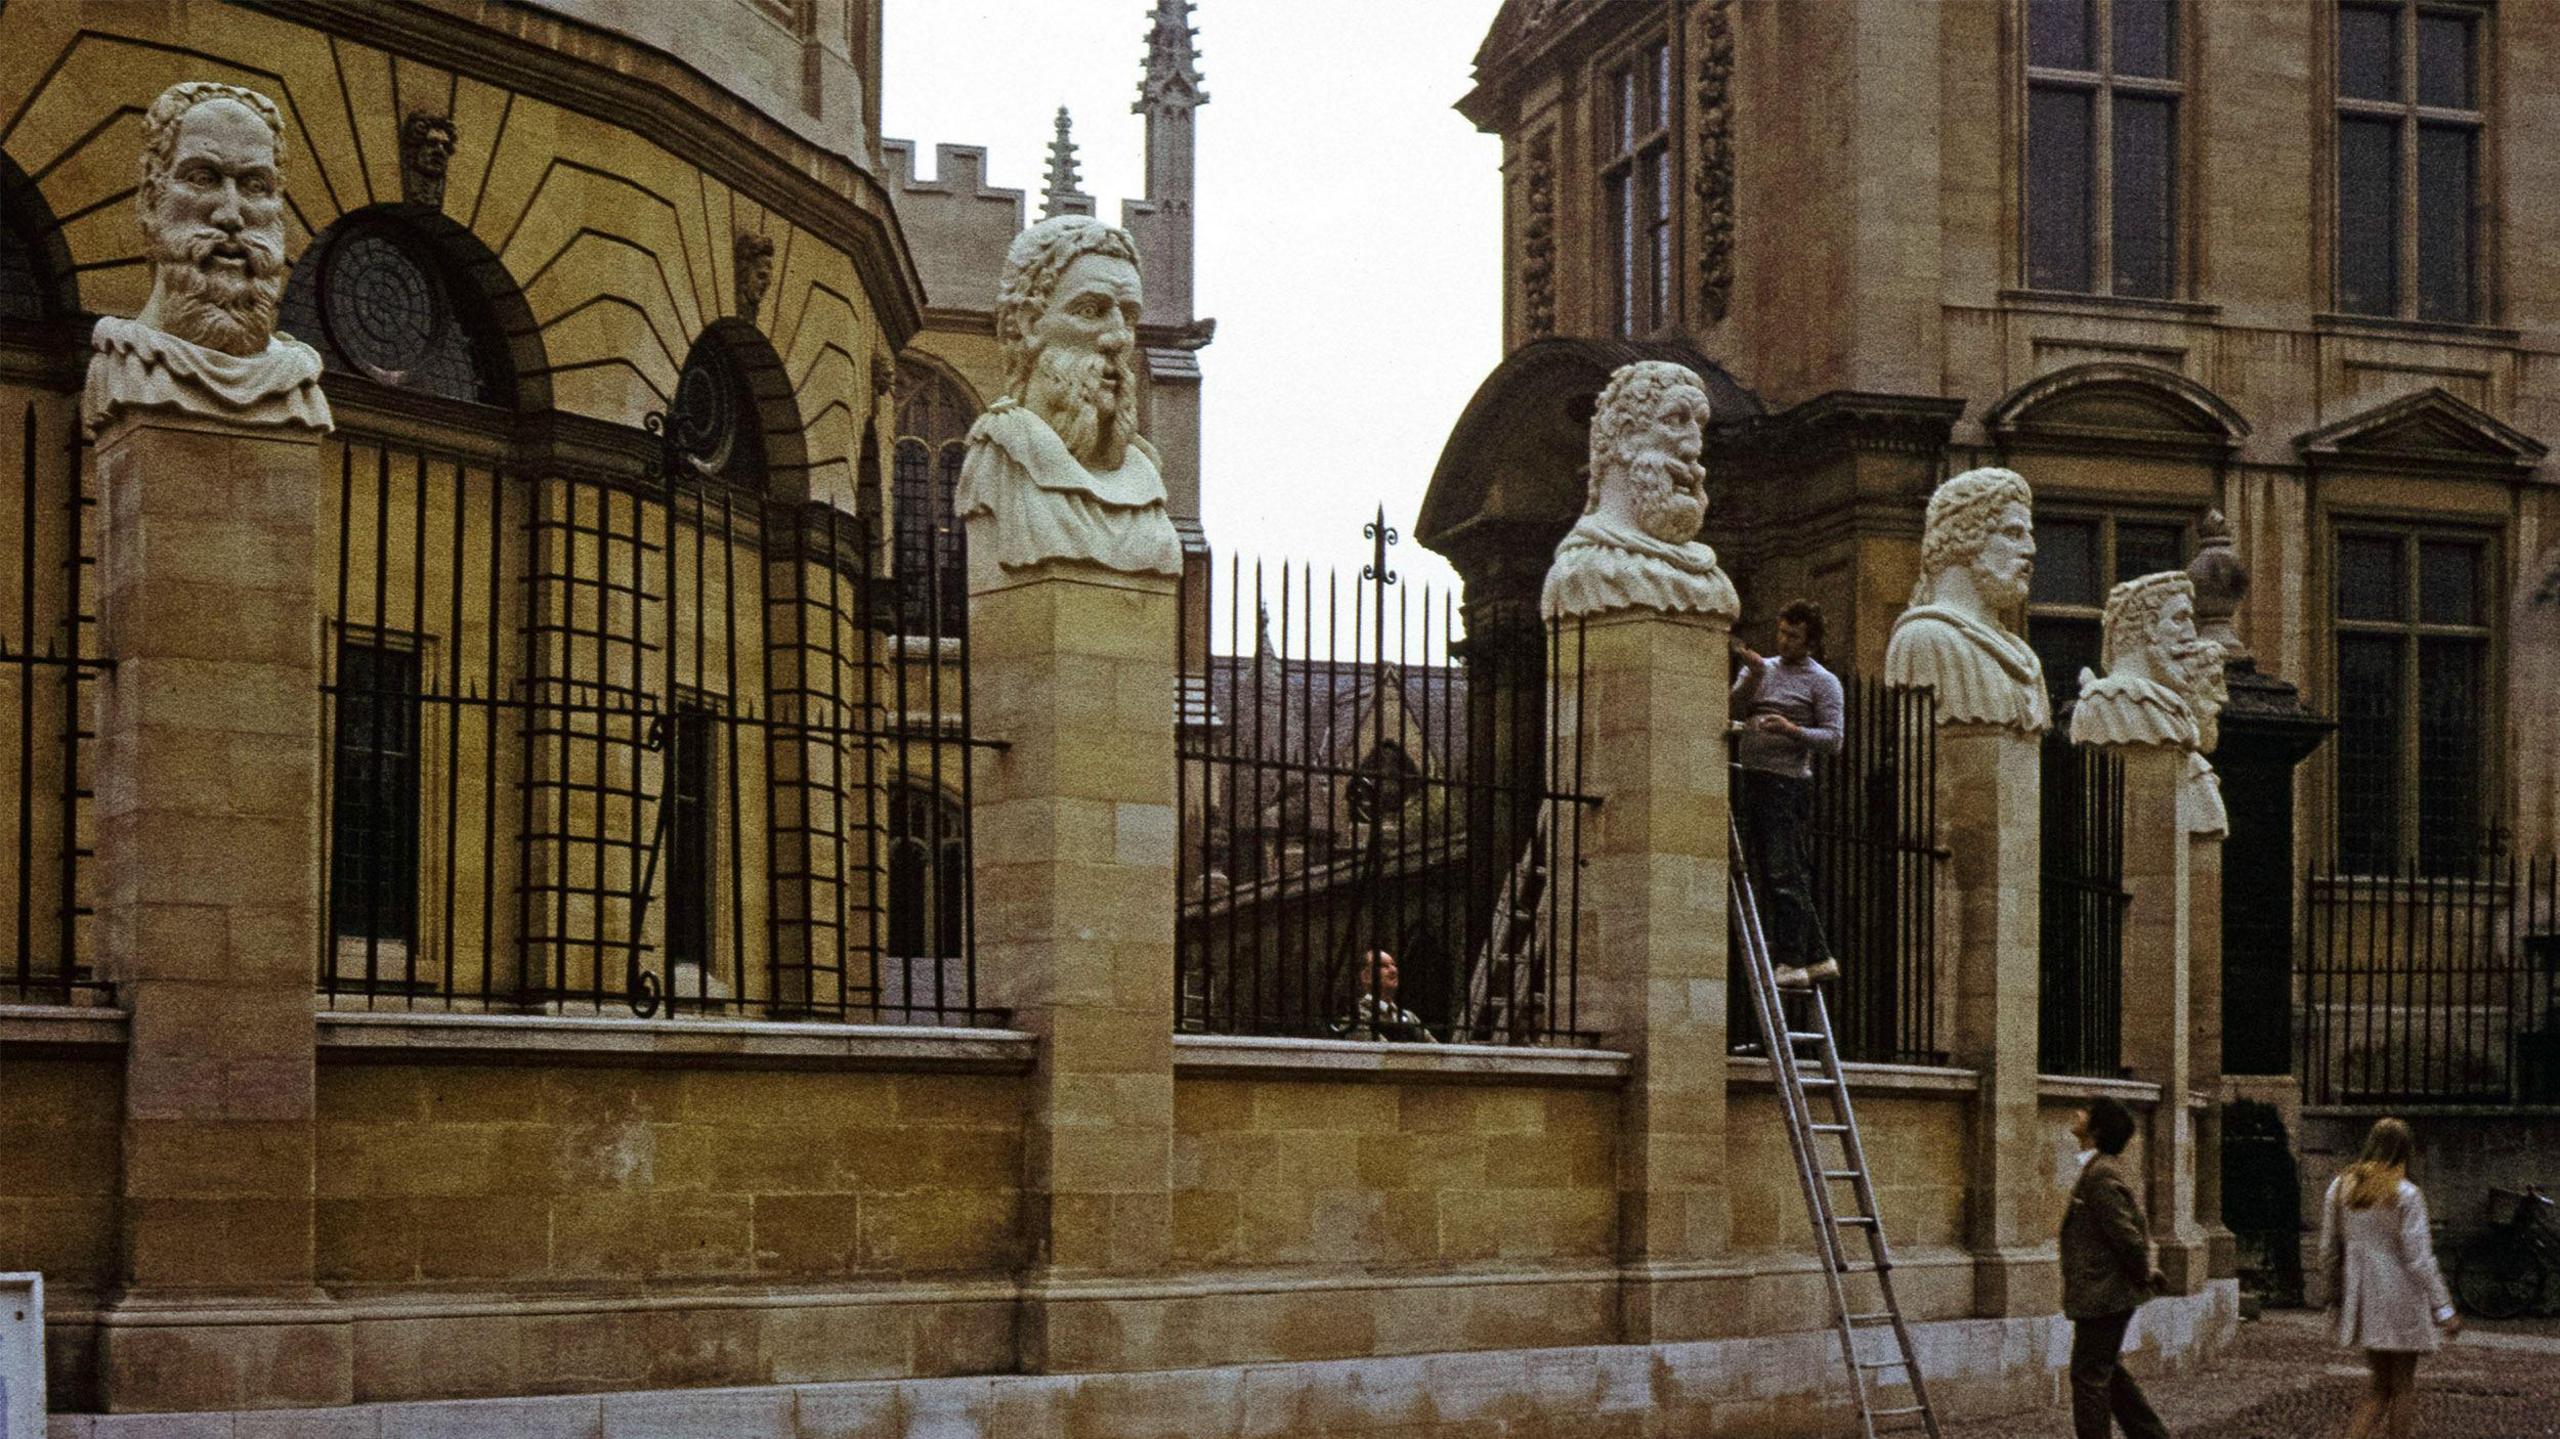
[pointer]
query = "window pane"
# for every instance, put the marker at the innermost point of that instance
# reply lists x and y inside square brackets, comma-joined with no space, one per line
[373,821]
[1658,240]
[2444,61]
[1626,110]
[1658,60]
[2369,716]
[1621,200]
[2449,583]
[2369,216]
[2146,136]
[2453,698]
[2066,568]
[2145,38]
[689,868]
[2444,222]
[2058,34]
[2058,164]
[2065,647]
[2369,53]
[2148,549]
[2370,586]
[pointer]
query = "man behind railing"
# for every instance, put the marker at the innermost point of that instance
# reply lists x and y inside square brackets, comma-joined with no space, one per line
[1788,711]
[1375,1014]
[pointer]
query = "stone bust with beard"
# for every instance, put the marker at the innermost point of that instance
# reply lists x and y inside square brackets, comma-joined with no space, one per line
[1056,468]
[212,211]
[1636,543]
[1977,551]
[2164,686]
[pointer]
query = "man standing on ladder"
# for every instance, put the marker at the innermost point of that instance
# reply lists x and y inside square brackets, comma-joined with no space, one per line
[1789,710]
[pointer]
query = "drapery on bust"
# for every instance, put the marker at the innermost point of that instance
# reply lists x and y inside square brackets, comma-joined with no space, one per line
[1977,551]
[211,204]
[1636,543]
[1056,468]
[2164,686]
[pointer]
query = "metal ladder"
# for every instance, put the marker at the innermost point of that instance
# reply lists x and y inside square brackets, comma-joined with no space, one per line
[1502,983]
[1800,1076]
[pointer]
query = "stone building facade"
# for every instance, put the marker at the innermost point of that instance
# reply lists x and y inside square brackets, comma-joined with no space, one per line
[2164,258]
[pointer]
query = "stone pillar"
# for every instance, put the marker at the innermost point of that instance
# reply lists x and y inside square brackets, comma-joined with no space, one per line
[2204,1045]
[2157,999]
[208,837]
[1991,822]
[1651,715]
[1073,670]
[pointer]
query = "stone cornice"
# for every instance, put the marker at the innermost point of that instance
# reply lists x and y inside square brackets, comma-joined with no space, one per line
[1851,421]
[657,97]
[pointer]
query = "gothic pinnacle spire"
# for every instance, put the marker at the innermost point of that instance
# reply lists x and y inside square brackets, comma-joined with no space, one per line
[1063,192]
[1173,61]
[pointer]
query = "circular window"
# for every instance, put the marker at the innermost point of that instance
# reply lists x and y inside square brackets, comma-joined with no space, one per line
[375,298]
[712,419]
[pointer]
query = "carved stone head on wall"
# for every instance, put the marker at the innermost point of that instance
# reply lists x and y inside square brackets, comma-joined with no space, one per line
[212,210]
[1067,314]
[753,255]
[426,152]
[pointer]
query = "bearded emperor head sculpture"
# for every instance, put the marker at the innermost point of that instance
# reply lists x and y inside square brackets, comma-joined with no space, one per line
[1635,546]
[211,204]
[1977,552]
[2164,686]
[1056,468]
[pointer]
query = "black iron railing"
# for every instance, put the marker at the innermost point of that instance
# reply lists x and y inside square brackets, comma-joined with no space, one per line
[1343,792]
[48,659]
[656,745]
[2080,931]
[2421,987]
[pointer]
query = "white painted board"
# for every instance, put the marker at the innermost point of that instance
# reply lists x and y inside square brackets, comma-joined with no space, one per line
[21,1356]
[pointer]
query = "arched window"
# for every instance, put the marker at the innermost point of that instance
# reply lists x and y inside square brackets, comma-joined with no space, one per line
[934,415]
[714,419]
[380,299]
[928,874]
[29,265]
[1385,780]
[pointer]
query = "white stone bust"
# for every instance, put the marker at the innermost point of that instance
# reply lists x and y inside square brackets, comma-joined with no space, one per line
[211,204]
[2163,686]
[1635,546]
[1056,468]
[1977,551]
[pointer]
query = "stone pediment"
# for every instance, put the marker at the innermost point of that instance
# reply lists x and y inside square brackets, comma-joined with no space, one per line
[2430,429]
[2117,404]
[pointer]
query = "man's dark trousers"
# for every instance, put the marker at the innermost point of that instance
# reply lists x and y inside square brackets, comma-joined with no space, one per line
[2100,1387]
[1777,812]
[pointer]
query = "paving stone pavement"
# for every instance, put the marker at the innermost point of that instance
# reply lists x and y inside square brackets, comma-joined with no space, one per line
[2285,1380]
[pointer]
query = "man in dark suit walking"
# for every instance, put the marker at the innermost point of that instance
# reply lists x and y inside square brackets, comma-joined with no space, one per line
[2106,1274]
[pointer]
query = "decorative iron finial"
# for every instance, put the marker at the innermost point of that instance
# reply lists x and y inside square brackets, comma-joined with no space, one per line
[2221,582]
[1065,187]
[1172,80]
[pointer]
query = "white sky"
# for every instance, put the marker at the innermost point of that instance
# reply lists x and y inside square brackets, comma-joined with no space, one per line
[1348,229]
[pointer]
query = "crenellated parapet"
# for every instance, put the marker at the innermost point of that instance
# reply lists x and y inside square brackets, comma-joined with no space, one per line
[957,225]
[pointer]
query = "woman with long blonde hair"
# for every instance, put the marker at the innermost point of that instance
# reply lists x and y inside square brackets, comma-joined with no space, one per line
[2381,1262]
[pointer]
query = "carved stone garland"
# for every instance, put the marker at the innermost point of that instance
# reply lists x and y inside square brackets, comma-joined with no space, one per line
[1715,160]
[1538,238]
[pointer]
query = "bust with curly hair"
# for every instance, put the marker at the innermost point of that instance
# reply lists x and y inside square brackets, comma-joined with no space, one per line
[1056,468]
[1977,551]
[211,205]
[2163,687]
[1635,546]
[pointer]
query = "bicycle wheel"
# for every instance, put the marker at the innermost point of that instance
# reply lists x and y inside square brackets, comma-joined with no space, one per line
[2498,1278]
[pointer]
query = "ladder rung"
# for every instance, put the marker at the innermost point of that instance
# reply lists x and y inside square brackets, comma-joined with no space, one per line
[1830,1129]
[1879,1317]
[1860,1266]
[1866,1219]
[1818,1084]
[1884,1363]
[1805,1034]
[1841,1173]
[1898,1413]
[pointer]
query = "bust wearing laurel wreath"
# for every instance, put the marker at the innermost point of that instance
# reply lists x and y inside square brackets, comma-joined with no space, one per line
[2164,686]
[1977,550]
